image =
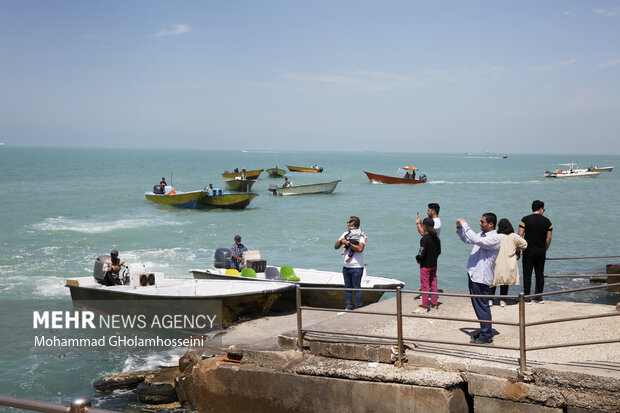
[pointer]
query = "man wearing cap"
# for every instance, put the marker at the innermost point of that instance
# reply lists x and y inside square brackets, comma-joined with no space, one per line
[236,252]
[111,268]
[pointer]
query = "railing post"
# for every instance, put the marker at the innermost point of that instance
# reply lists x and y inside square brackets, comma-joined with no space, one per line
[399,324]
[522,343]
[79,405]
[300,340]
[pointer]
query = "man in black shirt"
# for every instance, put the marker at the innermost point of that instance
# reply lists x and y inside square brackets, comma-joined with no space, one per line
[536,229]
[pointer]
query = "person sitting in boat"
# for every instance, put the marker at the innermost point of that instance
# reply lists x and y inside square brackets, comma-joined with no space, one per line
[315,166]
[161,188]
[287,183]
[236,253]
[111,268]
[209,189]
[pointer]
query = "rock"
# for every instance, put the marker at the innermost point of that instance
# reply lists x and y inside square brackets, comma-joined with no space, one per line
[128,380]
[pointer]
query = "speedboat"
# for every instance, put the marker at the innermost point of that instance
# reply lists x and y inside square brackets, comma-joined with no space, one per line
[276,172]
[373,285]
[169,196]
[142,290]
[322,188]
[406,176]
[254,174]
[571,172]
[602,168]
[240,185]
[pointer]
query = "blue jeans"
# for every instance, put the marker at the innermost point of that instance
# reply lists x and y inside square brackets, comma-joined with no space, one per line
[352,279]
[481,307]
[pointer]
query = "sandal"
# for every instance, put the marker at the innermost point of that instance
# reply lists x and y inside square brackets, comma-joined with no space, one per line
[420,310]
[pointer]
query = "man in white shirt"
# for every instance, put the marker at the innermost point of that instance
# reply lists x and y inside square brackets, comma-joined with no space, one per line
[481,269]
[432,212]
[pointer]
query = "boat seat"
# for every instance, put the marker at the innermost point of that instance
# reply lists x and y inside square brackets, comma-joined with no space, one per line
[288,274]
[232,271]
[272,273]
[248,272]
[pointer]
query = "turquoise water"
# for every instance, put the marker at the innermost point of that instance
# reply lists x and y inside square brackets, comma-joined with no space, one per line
[61,208]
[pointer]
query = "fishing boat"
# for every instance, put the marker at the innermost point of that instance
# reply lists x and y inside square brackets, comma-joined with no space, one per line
[313,168]
[322,188]
[372,285]
[143,291]
[407,176]
[220,199]
[276,172]
[248,174]
[240,185]
[171,197]
[571,172]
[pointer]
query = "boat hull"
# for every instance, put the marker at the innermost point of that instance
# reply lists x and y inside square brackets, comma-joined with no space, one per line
[303,169]
[230,201]
[312,298]
[276,172]
[384,179]
[233,306]
[240,185]
[181,200]
[604,169]
[581,174]
[322,188]
[248,174]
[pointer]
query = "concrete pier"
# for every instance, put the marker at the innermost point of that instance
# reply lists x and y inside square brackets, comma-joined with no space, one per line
[261,370]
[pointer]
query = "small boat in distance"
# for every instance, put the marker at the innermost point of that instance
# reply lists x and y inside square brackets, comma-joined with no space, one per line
[240,185]
[313,168]
[407,176]
[254,174]
[276,172]
[571,172]
[322,188]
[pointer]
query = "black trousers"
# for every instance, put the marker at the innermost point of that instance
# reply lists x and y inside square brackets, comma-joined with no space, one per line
[111,279]
[534,262]
[503,290]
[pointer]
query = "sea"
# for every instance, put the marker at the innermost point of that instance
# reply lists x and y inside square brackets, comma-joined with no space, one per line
[63,207]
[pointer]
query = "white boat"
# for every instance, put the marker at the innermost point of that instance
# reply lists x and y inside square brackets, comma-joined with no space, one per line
[142,290]
[322,188]
[372,285]
[571,172]
[602,168]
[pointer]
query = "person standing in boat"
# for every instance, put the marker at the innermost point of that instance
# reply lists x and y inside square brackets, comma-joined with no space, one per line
[537,231]
[111,268]
[236,253]
[353,267]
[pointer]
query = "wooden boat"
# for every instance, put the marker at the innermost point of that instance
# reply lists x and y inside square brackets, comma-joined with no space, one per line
[311,278]
[177,199]
[220,199]
[276,172]
[248,174]
[322,188]
[233,299]
[384,179]
[303,169]
[240,185]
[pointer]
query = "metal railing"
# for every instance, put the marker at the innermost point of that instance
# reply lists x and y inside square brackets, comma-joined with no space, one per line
[78,405]
[522,348]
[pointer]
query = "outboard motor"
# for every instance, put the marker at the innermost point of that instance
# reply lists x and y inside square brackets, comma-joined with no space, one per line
[222,258]
[157,189]
[422,177]
[98,270]
[273,188]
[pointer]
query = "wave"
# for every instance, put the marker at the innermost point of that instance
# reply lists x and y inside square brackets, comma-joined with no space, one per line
[94,226]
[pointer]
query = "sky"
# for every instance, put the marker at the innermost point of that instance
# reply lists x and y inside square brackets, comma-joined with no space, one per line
[388,76]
